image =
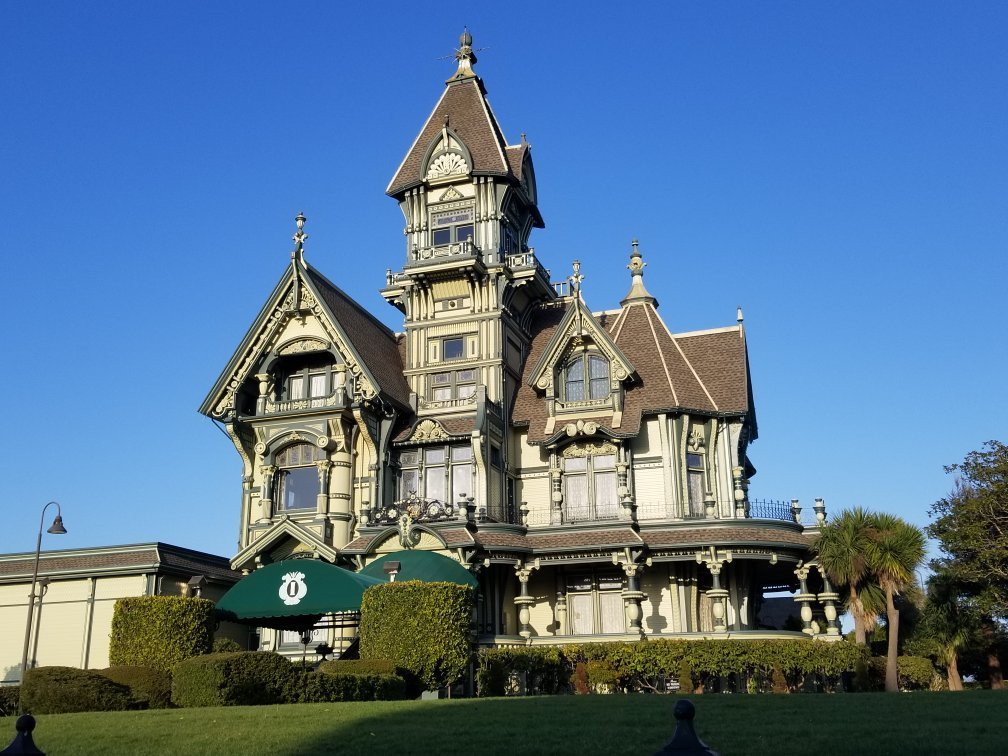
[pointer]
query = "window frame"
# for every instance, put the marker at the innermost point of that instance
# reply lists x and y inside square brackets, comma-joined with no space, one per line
[455,382]
[586,380]
[444,350]
[453,457]
[576,586]
[284,468]
[324,366]
[453,229]
[696,508]
[591,475]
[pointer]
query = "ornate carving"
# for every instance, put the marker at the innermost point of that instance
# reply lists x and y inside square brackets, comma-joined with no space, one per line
[448,164]
[451,193]
[696,439]
[303,345]
[416,509]
[581,427]
[589,449]
[429,430]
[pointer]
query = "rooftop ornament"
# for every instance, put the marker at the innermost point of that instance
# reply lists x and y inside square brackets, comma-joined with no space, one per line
[637,291]
[466,57]
[299,238]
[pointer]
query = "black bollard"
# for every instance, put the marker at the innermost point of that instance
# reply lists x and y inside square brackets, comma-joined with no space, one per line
[23,742]
[685,740]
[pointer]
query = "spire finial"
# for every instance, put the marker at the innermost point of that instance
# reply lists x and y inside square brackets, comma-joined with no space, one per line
[466,57]
[576,279]
[299,238]
[637,291]
[738,315]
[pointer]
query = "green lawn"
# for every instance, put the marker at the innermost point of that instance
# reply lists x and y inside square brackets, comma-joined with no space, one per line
[872,723]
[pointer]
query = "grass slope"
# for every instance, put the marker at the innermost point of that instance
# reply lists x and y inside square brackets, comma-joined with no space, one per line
[923,723]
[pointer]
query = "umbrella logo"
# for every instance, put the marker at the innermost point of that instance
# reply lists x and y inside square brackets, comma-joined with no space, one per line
[293,588]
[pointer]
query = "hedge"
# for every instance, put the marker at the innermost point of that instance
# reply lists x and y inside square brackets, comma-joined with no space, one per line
[420,627]
[150,688]
[326,687]
[650,665]
[9,695]
[63,690]
[914,673]
[160,631]
[358,667]
[232,679]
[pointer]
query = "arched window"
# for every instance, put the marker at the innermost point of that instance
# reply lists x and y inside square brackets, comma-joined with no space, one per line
[297,480]
[586,377]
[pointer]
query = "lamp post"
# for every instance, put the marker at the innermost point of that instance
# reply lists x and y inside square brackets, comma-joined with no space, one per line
[57,529]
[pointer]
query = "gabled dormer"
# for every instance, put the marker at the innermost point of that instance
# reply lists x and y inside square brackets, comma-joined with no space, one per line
[581,373]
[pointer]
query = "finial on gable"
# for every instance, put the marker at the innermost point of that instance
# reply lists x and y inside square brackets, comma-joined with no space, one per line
[738,315]
[299,238]
[637,291]
[466,57]
[576,279]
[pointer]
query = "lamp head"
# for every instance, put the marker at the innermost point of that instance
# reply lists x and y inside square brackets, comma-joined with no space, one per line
[57,526]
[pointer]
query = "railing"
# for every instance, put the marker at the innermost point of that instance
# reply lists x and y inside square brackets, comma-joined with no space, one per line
[771,509]
[445,250]
[465,401]
[336,399]
[417,509]
[528,260]
[562,288]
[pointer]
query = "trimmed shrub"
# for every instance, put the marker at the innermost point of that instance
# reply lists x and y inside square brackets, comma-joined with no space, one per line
[685,677]
[326,687]
[150,688]
[914,672]
[9,695]
[62,690]
[420,627]
[602,676]
[358,667]
[545,670]
[160,631]
[227,646]
[232,679]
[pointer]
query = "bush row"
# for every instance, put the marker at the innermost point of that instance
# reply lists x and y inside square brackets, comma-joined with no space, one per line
[9,695]
[915,673]
[160,631]
[652,665]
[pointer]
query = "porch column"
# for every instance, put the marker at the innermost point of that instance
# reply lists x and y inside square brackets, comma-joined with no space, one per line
[561,613]
[828,598]
[523,600]
[556,495]
[717,594]
[632,599]
[805,599]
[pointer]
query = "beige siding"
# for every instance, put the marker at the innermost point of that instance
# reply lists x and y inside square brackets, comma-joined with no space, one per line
[656,608]
[649,491]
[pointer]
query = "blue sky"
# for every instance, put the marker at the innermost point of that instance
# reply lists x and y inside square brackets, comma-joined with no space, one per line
[839,170]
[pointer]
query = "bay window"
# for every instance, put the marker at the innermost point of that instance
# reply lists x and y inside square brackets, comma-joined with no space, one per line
[435,473]
[590,490]
[297,480]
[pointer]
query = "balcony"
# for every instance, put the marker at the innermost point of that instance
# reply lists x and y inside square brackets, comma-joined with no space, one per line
[336,400]
[456,249]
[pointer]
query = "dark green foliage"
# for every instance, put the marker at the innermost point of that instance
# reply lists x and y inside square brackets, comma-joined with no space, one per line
[602,676]
[324,686]
[419,627]
[61,690]
[9,699]
[227,646]
[160,631]
[545,670]
[696,664]
[232,679]
[685,677]
[915,673]
[150,688]
[358,667]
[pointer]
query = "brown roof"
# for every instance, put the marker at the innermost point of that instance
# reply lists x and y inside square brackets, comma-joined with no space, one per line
[455,537]
[501,540]
[376,345]
[159,556]
[470,117]
[583,539]
[705,372]
[708,536]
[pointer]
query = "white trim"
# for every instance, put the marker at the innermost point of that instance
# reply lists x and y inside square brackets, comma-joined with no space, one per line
[705,332]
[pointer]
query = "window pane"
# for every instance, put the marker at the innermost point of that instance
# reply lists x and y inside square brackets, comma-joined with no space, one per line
[465,376]
[461,481]
[463,232]
[575,464]
[611,613]
[610,582]
[694,460]
[466,390]
[696,492]
[599,388]
[408,480]
[434,483]
[441,236]
[606,506]
[317,386]
[300,487]
[434,455]
[604,462]
[452,349]
[441,379]
[296,388]
[580,611]
[576,496]
[409,458]
[442,394]
[461,453]
[598,367]
[575,370]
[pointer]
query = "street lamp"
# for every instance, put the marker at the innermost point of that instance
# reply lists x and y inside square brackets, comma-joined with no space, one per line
[57,529]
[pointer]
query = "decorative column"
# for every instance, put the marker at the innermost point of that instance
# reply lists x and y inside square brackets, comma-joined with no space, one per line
[556,497]
[265,493]
[561,613]
[805,598]
[740,492]
[718,595]
[264,391]
[710,505]
[523,600]
[829,598]
[322,500]
[632,599]
[628,507]
[820,512]
[796,510]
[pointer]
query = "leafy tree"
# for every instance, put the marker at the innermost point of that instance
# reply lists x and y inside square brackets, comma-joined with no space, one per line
[971,526]
[949,624]
[894,550]
[842,549]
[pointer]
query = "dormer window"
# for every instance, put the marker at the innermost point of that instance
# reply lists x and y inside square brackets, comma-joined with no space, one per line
[586,377]
[307,379]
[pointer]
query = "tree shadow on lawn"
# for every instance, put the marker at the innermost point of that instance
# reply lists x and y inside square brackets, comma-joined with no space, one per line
[859,724]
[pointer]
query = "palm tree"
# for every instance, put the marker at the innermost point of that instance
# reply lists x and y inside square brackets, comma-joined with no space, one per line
[948,623]
[842,549]
[894,550]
